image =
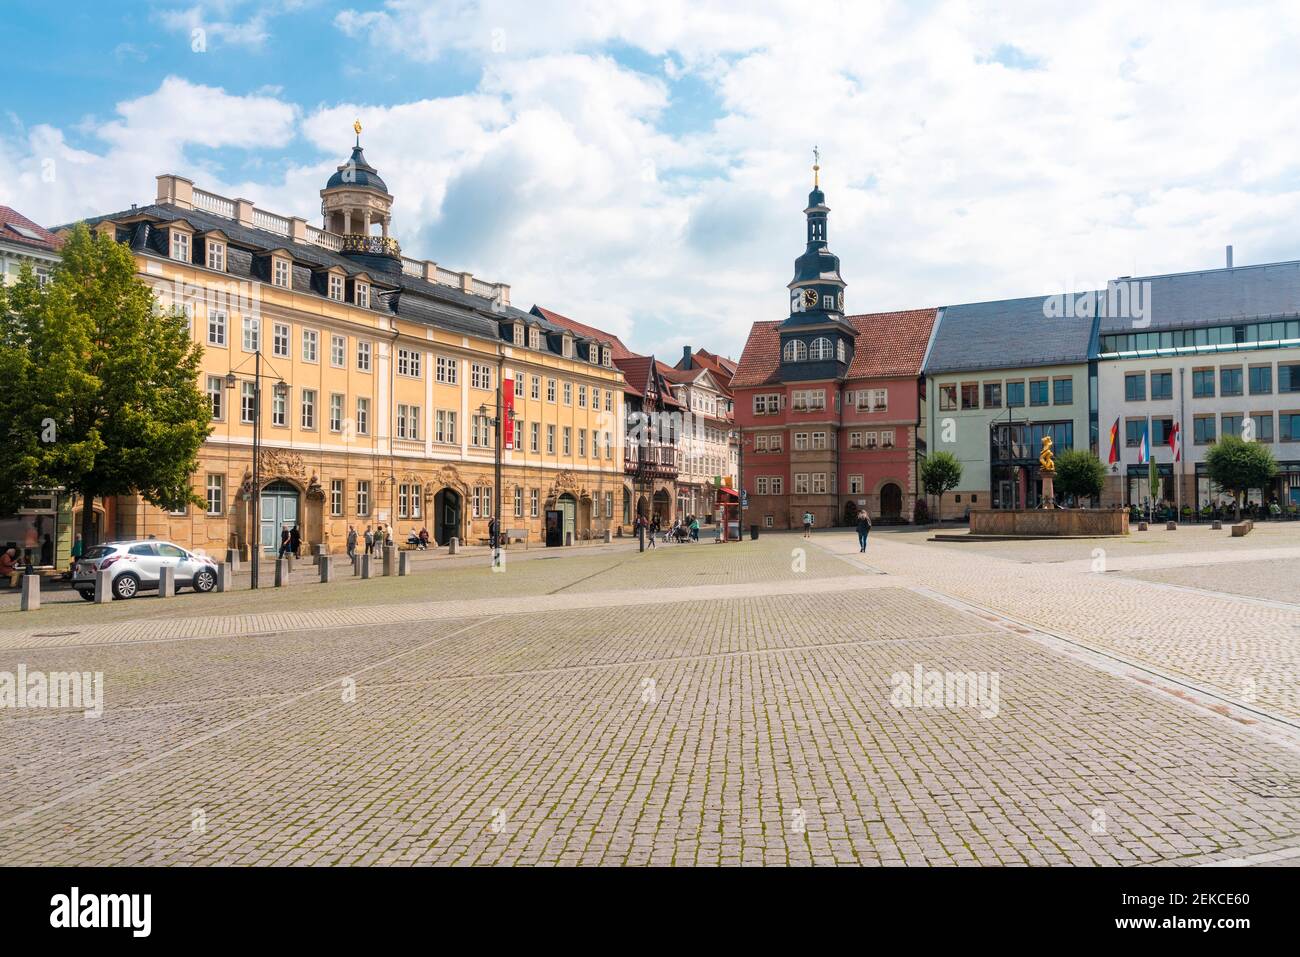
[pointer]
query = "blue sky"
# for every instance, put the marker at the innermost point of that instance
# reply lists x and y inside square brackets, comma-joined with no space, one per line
[642,167]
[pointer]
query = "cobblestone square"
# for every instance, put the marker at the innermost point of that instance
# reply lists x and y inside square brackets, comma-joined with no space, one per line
[755,703]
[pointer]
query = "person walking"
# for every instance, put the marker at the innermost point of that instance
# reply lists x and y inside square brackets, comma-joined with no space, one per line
[284,542]
[807,524]
[295,541]
[864,528]
[368,541]
[352,542]
[493,531]
[695,529]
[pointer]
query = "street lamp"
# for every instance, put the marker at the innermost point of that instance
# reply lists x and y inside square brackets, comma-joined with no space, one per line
[495,422]
[281,389]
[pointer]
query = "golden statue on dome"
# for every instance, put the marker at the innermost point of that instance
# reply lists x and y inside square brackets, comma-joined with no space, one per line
[1047,461]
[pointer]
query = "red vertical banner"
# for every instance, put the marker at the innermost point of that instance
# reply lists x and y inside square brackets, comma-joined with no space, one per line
[507,407]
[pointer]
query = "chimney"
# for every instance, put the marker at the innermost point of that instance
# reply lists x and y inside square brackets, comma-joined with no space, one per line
[1229,257]
[686,358]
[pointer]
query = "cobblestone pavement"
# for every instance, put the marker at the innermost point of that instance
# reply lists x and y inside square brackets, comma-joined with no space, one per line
[692,705]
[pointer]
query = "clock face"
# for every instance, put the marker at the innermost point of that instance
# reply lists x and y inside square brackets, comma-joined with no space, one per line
[841,302]
[809,298]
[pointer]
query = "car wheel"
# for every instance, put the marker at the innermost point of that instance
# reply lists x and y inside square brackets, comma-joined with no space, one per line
[86,595]
[204,580]
[125,586]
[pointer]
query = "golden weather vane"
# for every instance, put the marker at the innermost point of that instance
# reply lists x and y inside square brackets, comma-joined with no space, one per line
[817,160]
[356,127]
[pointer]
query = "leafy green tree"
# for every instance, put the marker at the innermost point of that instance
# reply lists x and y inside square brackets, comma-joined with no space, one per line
[940,473]
[108,382]
[1236,466]
[1079,474]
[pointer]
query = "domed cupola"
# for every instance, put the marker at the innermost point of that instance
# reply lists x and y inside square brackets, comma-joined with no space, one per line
[354,202]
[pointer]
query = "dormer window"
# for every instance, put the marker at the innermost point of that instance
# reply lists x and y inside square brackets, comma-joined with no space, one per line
[336,287]
[216,255]
[361,294]
[593,353]
[281,271]
[609,356]
[568,347]
[180,245]
[517,334]
[534,338]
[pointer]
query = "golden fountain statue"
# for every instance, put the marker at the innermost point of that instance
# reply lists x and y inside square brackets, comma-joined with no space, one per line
[1046,461]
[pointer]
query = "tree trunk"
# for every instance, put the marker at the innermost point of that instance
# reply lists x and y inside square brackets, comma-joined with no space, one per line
[87,521]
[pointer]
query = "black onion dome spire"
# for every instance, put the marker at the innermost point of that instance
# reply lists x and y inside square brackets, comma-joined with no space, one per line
[356,171]
[818,263]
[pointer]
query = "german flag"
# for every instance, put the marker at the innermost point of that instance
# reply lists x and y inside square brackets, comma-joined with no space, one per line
[1114,442]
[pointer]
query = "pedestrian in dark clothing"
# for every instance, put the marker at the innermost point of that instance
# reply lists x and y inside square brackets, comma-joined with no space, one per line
[492,531]
[352,541]
[284,542]
[864,528]
[295,541]
[369,541]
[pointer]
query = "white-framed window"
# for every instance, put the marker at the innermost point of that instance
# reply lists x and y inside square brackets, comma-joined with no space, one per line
[403,496]
[338,351]
[767,403]
[310,345]
[252,328]
[819,440]
[801,441]
[517,334]
[841,351]
[480,431]
[887,438]
[534,338]
[281,272]
[247,402]
[309,408]
[408,363]
[480,375]
[535,387]
[855,440]
[534,498]
[446,372]
[795,350]
[808,400]
[820,349]
[180,245]
[280,340]
[408,422]
[595,397]
[609,400]
[363,356]
[609,504]
[568,393]
[216,396]
[567,346]
[609,445]
[818,483]
[582,443]
[800,483]
[607,356]
[279,409]
[216,494]
[444,430]
[216,255]
[550,440]
[336,411]
[870,440]
[519,495]
[361,294]
[760,485]
[855,484]
[336,498]
[568,440]
[336,287]
[519,387]
[760,443]
[363,416]
[582,396]
[216,327]
[417,497]
[363,496]
[534,433]
[550,390]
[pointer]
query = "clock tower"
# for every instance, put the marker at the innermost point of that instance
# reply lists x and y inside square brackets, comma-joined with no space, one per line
[816,339]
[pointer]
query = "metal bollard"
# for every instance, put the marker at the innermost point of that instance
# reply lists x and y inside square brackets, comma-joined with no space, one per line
[356,563]
[326,569]
[31,599]
[609,536]
[453,546]
[282,570]
[103,587]
[365,566]
[167,581]
[223,576]
[404,564]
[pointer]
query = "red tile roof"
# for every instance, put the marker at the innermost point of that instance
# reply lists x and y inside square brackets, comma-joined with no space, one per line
[591,332]
[10,217]
[889,344]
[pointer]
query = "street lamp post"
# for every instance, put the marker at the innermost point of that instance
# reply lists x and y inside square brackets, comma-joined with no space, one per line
[281,389]
[498,444]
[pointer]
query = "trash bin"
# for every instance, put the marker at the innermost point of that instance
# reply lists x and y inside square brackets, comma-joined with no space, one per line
[753,533]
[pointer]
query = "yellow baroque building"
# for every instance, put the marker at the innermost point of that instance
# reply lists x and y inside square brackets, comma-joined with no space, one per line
[378,379]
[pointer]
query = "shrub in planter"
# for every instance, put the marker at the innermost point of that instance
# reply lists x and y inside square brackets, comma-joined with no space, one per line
[921,514]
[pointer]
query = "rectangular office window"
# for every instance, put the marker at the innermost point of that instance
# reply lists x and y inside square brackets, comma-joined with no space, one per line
[363,416]
[216,395]
[1261,380]
[1290,426]
[1230,425]
[309,408]
[1263,424]
[1015,395]
[336,498]
[1063,391]
[1288,377]
[1135,386]
[1162,385]
[216,494]
[363,496]
[338,351]
[216,327]
[1160,431]
[1133,431]
[970,395]
[1230,380]
[992,395]
[1203,383]
[1203,429]
[1038,392]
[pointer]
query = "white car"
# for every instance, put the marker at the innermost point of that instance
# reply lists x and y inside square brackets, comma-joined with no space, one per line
[137,565]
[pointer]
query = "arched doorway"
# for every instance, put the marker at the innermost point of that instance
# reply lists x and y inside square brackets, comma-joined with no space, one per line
[891,501]
[663,507]
[446,515]
[279,511]
[568,507]
[643,507]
